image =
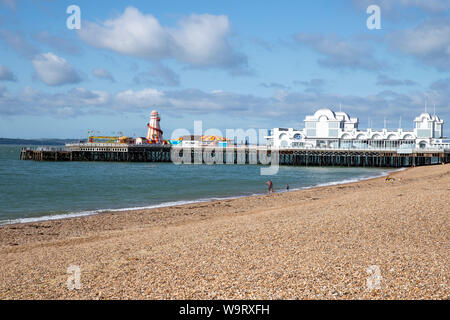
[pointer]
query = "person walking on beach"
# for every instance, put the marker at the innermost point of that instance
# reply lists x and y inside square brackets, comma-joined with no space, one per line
[269,187]
[287,187]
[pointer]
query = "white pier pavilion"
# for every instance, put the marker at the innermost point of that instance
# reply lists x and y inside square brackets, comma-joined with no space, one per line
[327,129]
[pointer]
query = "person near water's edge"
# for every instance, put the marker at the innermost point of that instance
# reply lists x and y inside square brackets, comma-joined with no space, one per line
[287,187]
[269,187]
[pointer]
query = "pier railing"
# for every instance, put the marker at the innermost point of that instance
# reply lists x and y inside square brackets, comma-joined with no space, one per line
[73,146]
[68,145]
[389,149]
[45,148]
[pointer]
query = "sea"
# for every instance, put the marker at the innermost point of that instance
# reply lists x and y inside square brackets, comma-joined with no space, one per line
[36,191]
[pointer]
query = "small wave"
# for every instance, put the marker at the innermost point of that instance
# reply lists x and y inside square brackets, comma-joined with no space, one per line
[94,212]
[346,181]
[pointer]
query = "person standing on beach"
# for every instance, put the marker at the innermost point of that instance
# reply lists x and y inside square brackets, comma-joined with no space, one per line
[287,187]
[269,187]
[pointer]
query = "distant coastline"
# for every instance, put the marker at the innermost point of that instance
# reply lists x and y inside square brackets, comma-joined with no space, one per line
[36,142]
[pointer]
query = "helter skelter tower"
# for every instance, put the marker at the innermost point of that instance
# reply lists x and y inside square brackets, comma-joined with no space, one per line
[154,133]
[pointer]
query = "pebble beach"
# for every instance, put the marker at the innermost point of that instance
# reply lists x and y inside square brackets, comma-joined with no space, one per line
[370,239]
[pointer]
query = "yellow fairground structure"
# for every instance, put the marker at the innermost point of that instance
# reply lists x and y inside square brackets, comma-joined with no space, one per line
[106,139]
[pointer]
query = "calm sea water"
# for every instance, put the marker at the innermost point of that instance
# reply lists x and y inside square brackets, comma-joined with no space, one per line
[41,190]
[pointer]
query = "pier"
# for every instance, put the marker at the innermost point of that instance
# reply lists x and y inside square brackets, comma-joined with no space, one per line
[328,139]
[259,155]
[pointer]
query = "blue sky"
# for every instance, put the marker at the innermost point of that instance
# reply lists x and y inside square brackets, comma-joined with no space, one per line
[232,64]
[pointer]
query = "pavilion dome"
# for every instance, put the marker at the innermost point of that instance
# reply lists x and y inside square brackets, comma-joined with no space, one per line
[344,115]
[325,112]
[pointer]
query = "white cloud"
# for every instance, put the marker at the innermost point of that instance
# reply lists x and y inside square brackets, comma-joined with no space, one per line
[132,33]
[433,6]
[198,40]
[338,53]
[273,85]
[430,5]
[428,42]
[159,75]
[6,74]
[384,80]
[9,3]
[57,43]
[313,85]
[202,40]
[103,74]
[145,98]
[4,93]
[54,70]
[18,41]
[283,108]
[88,97]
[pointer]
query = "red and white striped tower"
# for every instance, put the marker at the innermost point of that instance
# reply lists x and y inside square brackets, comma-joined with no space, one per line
[154,133]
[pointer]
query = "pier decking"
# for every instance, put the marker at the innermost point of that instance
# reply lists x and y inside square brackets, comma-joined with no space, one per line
[239,155]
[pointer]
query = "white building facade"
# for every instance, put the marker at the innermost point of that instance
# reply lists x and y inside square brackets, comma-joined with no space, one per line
[337,130]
